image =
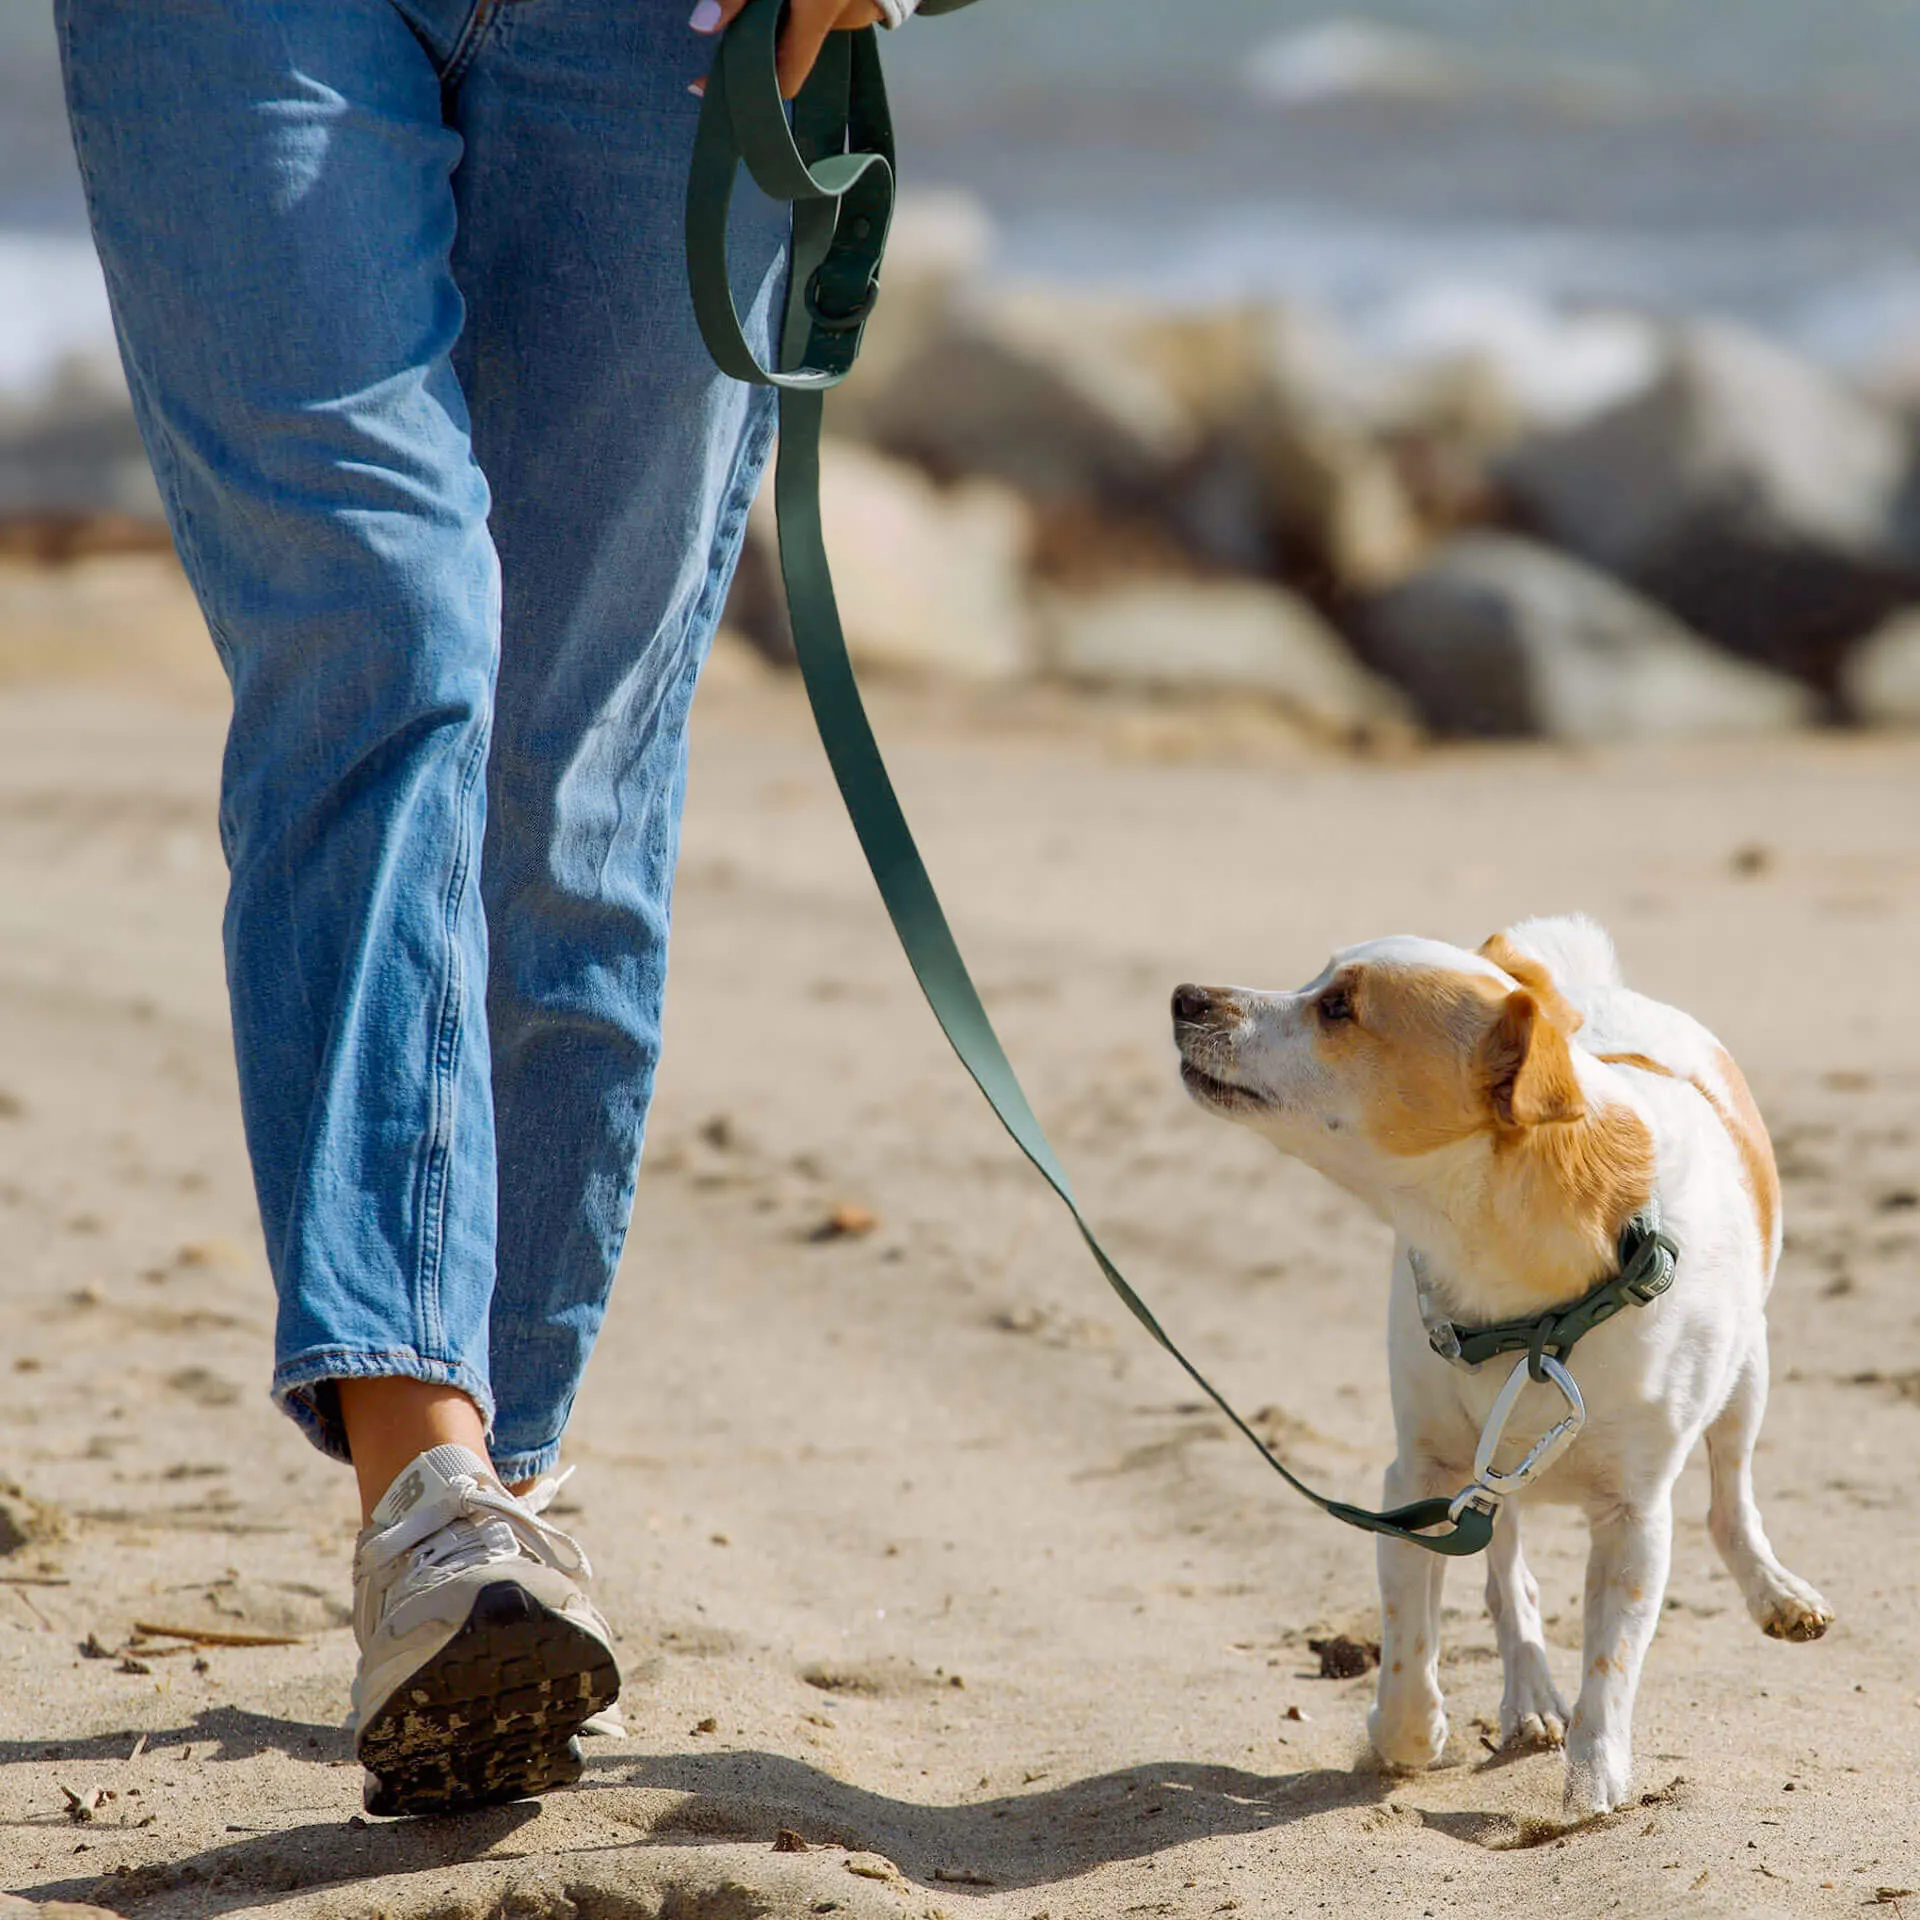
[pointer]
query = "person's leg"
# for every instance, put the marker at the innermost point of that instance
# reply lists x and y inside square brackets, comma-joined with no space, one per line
[622,462]
[271,188]
[270,184]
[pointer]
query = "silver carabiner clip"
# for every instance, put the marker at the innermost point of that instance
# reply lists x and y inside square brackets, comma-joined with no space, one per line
[1490,1486]
[1546,1449]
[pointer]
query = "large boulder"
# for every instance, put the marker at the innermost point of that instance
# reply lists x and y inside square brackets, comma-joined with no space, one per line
[1219,637]
[1498,636]
[1291,439]
[1880,678]
[1034,391]
[937,246]
[1767,505]
[928,580]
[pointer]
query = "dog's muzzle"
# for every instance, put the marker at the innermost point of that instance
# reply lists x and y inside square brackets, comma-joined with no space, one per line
[1203,1021]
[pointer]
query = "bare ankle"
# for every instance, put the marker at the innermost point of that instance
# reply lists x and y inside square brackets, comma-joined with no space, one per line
[391,1420]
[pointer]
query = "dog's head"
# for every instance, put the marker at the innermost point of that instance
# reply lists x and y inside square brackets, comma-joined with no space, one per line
[1400,1048]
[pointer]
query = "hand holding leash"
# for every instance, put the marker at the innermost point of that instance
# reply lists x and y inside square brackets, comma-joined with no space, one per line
[803,33]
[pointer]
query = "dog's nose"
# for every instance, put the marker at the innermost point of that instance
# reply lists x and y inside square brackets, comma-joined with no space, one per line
[1191,1003]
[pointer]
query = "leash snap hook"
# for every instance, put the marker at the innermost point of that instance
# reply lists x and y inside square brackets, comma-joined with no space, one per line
[1482,1499]
[1544,1450]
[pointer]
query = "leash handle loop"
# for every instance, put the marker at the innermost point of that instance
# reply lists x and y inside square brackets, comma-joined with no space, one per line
[834,162]
[842,200]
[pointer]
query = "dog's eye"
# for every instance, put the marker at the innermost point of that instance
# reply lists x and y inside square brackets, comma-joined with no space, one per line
[1336,1005]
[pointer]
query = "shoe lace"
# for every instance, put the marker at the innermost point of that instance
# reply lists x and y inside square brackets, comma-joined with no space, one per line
[475,1521]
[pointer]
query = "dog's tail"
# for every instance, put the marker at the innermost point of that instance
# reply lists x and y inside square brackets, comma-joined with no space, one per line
[1577,951]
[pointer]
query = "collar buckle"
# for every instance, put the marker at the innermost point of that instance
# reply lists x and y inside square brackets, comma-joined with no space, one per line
[1648,1257]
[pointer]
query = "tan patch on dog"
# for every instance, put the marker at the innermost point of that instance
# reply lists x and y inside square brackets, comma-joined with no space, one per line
[1529,1066]
[1537,980]
[1641,1061]
[1741,1118]
[1443,1056]
[1756,1149]
[1410,1045]
[1603,1169]
[1562,1164]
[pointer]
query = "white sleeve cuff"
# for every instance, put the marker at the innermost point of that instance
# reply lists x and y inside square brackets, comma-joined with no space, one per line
[897,12]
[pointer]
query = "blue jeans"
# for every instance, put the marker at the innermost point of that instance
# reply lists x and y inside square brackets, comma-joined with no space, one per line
[402,305]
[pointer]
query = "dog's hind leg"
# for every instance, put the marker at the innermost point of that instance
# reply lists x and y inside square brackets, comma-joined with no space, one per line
[1532,1714]
[1786,1607]
[1408,1724]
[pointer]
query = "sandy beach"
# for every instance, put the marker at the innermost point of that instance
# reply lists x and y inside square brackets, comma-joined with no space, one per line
[937,1592]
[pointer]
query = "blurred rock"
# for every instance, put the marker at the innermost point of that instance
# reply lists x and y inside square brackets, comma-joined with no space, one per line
[1880,678]
[1550,368]
[1500,637]
[1764,503]
[1218,636]
[1290,472]
[1032,391]
[1345,519]
[59,538]
[75,452]
[928,579]
[938,244]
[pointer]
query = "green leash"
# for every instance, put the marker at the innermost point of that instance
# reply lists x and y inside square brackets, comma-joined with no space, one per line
[835,164]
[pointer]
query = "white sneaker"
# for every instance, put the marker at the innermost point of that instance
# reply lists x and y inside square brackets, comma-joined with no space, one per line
[480,1655]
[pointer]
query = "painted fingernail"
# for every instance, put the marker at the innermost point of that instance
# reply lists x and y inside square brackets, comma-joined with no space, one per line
[706,17]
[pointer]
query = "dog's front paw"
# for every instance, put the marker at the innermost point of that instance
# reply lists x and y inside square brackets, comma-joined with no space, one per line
[1787,1608]
[1409,1736]
[1599,1774]
[1532,1714]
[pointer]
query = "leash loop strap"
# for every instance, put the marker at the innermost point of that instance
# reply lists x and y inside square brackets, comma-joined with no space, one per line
[834,162]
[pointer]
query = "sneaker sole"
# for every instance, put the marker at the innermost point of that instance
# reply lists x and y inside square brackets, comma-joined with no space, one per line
[491,1716]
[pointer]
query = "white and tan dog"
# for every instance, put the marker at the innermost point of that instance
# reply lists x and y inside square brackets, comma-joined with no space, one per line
[1507,1112]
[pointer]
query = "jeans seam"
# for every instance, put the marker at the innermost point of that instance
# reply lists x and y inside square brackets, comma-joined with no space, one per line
[483,16]
[752,458]
[449,1028]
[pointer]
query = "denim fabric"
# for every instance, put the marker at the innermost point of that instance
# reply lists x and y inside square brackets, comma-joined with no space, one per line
[401,300]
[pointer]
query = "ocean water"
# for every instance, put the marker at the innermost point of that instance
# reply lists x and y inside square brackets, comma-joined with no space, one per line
[1424,170]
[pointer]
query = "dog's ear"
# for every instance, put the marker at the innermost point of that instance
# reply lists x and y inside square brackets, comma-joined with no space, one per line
[1532,975]
[1528,1066]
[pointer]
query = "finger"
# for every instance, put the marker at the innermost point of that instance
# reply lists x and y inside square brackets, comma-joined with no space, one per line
[797,54]
[715,16]
[808,24]
[712,17]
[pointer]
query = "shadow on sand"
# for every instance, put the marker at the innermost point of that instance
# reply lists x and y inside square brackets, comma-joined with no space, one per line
[1017,1840]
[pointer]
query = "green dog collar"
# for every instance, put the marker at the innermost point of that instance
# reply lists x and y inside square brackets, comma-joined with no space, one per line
[1648,1259]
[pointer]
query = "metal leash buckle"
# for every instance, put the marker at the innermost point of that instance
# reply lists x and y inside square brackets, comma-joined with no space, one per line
[1490,1486]
[840,320]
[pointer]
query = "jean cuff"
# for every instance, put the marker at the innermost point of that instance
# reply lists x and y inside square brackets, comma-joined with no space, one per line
[304,1387]
[528,1464]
